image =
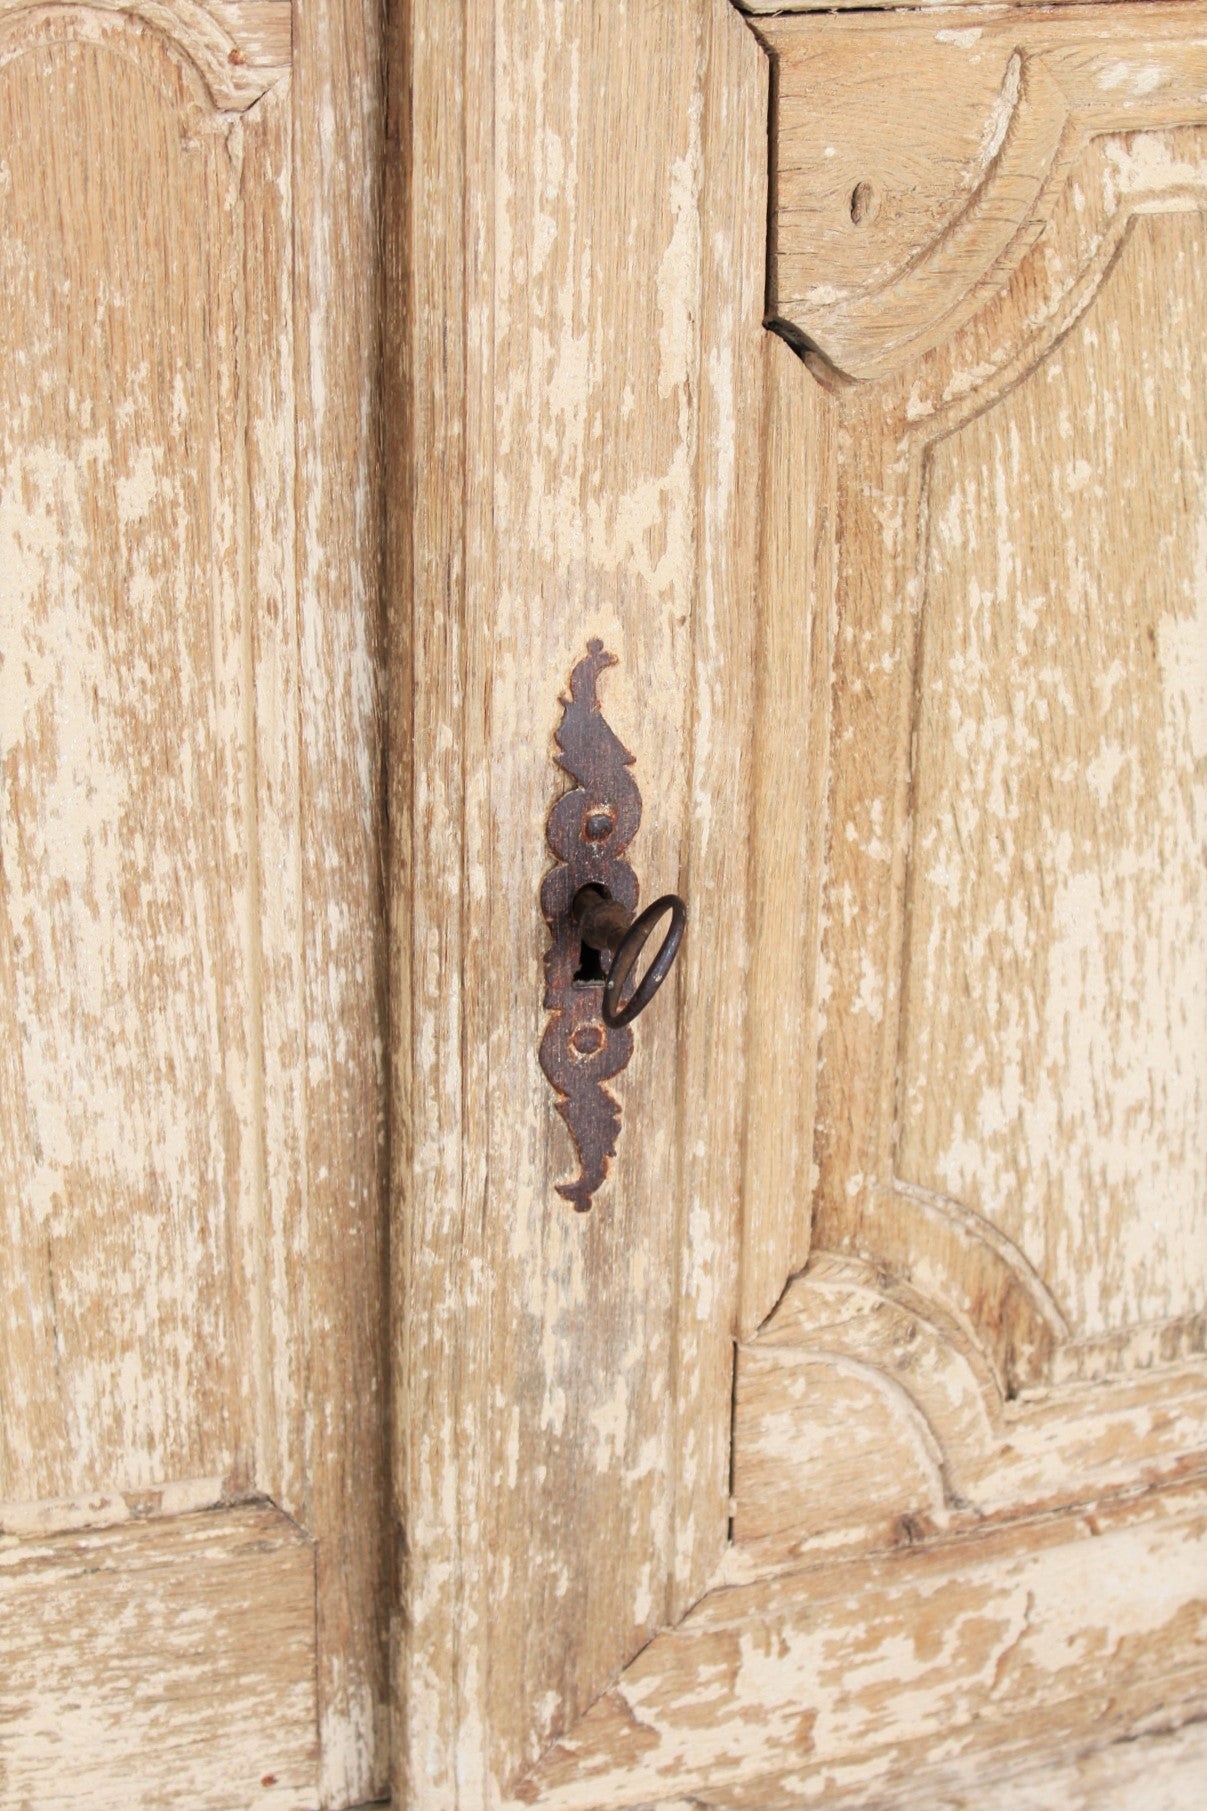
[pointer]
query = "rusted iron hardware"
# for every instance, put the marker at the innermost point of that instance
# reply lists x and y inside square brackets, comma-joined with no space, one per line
[588,900]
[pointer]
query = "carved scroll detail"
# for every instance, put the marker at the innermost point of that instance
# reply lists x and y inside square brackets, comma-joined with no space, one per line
[589,830]
[226,57]
[915,171]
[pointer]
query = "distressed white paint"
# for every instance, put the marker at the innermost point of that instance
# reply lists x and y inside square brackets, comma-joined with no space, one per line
[190,1147]
[584,462]
[128,1104]
[160,1663]
[806,1688]
[1054,1062]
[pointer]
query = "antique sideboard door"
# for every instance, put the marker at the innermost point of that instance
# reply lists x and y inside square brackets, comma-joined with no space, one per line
[841,376]
[849,1449]
[193,1581]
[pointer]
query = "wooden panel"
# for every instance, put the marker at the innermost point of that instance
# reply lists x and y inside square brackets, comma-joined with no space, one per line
[128,927]
[582,376]
[825,1686]
[192,1286]
[917,158]
[1053,1053]
[167,1663]
[980,1016]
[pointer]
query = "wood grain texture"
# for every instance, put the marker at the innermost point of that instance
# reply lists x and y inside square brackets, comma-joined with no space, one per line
[866,1418]
[756,9]
[193,923]
[338,139]
[1057,897]
[1162,1772]
[832,1685]
[575,300]
[160,1664]
[981,782]
[130,1121]
[790,755]
[1158,1772]
[916,160]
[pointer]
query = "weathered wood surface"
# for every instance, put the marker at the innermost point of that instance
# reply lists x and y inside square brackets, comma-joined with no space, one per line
[1012,1082]
[129,1036]
[917,159]
[591,435]
[165,1663]
[866,1418]
[1146,1773]
[826,1686]
[790,755]
[994,1376]
[577,293]
[1161,1772]
[338,101]
[191,1268]
[756,9]
[1059,809]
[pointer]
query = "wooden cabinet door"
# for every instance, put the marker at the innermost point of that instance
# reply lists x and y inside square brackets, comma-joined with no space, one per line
[192,1385]
[849,1450]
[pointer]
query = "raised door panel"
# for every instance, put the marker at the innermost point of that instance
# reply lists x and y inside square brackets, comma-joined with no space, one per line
[130,913]
[1052,1062]
[1011,1082]
[191,1343]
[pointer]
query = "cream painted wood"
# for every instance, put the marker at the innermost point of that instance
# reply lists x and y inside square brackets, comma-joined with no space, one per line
[1162,1772]
[965,1548]
[822,1686]
[910,660]
[161,1663]
[578,293]
[1012,1075]
[191,1274]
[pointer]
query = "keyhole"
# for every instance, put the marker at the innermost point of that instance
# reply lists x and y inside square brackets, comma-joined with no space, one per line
[590,968]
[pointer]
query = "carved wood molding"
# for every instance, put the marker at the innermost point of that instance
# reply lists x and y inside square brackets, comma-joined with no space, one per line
[228,56]
[822,1684]
[916,161]
[872,1199]
[927,1445]
[874,1457]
